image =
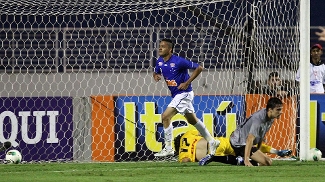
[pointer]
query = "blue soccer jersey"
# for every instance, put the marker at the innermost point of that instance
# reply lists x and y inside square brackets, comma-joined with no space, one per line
[175,72]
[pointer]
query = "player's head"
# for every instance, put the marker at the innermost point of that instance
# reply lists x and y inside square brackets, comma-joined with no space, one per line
[316,47]
[274,107]
[316,52]
[166,47]
[274,79]
[177,143]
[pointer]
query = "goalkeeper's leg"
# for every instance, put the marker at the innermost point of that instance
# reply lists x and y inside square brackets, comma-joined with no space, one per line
[268,149]
[230,159]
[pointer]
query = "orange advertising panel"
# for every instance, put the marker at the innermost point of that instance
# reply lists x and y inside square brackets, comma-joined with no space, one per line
[282,134]
[103,128]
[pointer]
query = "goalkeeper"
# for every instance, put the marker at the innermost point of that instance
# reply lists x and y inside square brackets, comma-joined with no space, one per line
[192,147]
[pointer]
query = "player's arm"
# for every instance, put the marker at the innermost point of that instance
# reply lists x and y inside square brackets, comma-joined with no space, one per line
[156,73]
[156,76]
[248,148]
[196,72]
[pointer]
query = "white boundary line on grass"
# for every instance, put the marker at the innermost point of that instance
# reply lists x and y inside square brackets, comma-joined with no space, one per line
[124,169]
[103,170]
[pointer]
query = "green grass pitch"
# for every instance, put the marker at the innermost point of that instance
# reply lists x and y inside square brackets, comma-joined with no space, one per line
[162,171]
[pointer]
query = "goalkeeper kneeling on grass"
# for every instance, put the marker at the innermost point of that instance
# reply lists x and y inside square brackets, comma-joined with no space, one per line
[192,147]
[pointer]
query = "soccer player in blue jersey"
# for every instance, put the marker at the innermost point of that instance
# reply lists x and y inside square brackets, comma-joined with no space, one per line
[174,69]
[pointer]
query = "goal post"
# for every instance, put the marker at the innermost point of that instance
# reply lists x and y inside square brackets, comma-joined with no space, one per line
[305,133]
[77,80]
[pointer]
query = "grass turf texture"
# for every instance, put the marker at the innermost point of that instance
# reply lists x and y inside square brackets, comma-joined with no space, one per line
[162,171]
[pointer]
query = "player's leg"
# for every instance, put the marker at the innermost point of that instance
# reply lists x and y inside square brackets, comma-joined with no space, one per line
[212,142]
[222,154]
[168,132]
[261,158]
[174,107]
[200,126]
[268,149]
[230,159]
[186,107]
[283,153]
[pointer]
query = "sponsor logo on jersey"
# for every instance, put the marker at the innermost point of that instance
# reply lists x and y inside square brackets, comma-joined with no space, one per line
[171,83]
[313,83]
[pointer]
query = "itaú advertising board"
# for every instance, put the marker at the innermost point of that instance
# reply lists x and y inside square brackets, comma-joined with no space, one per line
[317,122]
[139,131]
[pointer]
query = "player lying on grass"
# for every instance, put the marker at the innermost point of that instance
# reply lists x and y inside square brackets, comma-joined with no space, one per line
[192,147]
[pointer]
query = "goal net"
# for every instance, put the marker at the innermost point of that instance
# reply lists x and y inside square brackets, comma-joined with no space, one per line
[76,76]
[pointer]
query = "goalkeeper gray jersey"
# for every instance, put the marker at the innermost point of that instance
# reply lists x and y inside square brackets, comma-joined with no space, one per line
[257,124]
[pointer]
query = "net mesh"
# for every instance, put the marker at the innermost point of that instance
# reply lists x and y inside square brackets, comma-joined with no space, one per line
[28,7]
[77,75]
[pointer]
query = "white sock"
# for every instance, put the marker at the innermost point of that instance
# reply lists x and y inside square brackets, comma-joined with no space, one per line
[168,137]
[203,130]
[273,151]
